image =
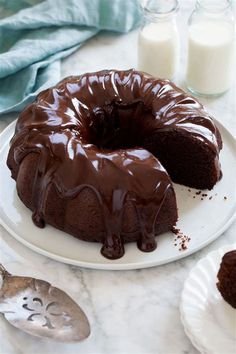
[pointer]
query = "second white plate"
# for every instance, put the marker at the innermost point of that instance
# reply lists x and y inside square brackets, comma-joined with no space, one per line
[209,321]
[203,219]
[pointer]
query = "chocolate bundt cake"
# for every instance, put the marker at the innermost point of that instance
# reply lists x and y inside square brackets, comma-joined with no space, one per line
[84,156]
[227,278]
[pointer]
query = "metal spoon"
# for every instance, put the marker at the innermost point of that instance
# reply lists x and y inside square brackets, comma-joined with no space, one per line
[38,308]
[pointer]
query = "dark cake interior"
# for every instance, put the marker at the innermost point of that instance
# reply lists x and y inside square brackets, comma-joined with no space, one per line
[227,278]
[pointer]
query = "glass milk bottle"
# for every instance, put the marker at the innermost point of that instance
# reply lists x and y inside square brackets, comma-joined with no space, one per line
[211,47]
[158,42]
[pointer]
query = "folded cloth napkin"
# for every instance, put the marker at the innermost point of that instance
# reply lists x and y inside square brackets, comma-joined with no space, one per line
[35,35]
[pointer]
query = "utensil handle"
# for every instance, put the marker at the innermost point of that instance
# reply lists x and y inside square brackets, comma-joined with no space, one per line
[3,271]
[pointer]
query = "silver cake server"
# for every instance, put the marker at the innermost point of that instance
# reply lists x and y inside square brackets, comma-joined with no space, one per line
[38,308]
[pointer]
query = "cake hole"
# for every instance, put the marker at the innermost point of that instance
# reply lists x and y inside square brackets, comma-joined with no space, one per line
[123,125]
[120,125]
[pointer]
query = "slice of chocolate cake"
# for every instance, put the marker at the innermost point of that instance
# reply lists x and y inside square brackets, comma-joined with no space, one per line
[227,278]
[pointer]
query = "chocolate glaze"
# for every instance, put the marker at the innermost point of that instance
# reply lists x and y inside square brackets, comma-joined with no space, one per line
[88,131]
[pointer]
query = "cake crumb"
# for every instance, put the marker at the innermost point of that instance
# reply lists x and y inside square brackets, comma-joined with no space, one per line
[183,246]
[194,196]
[225,198]
[199,192]
[204,195]
[189,190]
[183,239]
[210,198]
[202,198]
[175,230]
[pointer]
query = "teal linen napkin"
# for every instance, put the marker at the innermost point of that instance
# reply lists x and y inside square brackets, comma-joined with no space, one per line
[35,35]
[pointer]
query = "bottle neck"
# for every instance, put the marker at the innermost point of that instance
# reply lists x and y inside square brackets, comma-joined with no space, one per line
[159,10]
[213,11]
[214,6]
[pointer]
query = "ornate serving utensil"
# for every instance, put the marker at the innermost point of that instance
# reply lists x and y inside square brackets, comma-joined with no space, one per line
[38,308]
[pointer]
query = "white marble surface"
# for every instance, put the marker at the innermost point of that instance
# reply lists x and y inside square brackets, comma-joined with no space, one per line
[131,312]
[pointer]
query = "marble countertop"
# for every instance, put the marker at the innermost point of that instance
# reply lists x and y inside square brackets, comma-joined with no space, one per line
[129,311]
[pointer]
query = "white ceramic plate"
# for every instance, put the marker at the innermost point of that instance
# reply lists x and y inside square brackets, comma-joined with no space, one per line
[202,220]
[208,320]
